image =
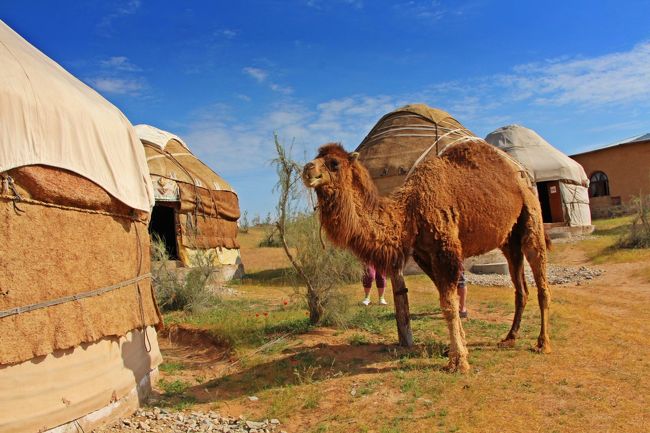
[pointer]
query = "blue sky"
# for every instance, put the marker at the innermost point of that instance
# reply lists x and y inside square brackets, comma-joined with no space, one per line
[224,75]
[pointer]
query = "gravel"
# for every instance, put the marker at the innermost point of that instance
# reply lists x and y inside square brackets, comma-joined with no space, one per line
[556,275]
[161,420]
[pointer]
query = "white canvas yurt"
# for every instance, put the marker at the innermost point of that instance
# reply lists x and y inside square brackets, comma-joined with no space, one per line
[78,343]
[562,184]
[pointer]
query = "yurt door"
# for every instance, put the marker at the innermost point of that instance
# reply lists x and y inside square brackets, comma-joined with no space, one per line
[551,201]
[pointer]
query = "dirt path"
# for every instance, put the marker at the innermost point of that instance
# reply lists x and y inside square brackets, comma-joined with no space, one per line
[323,381]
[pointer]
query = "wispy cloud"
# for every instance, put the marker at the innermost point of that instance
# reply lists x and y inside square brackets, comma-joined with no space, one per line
[261,76]
[119,86]
[118,75]
[119,63]
[228,33]
[616,78]
[424,10]
[258,74]
[322,4]
[120,9]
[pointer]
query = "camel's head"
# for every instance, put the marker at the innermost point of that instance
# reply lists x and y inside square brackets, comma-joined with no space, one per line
[331,166]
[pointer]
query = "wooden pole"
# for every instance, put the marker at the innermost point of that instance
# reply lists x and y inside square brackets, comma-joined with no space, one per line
[402,315]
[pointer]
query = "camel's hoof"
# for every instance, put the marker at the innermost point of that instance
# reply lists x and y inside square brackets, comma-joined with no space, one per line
[506,343]
[542,347]
[457,365]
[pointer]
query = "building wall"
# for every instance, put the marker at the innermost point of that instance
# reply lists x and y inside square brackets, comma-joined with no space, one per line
[627,167]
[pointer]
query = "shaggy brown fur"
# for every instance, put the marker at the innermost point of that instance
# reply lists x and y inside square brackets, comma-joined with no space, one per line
[466,202]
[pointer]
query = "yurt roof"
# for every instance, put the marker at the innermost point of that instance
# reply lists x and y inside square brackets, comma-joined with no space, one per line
[156,136]
[51,118]
[403,138]
[168,156]
[537,155]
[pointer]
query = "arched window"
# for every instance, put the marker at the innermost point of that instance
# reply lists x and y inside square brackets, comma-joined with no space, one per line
[598,185]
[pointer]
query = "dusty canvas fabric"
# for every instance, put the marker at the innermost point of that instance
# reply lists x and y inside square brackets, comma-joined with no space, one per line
[208,205]
[543,160]
[67,236]
[68,384]
[546,163]
[403,138]
[51,118]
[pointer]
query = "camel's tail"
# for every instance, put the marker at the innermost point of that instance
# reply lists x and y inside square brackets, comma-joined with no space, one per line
[547,240]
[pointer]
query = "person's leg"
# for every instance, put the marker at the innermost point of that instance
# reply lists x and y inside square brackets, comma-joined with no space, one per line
[380,279]
[368,277]
[462,294]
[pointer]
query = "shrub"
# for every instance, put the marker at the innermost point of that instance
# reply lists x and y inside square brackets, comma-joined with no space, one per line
[319,270]
[186,290]
[638,234]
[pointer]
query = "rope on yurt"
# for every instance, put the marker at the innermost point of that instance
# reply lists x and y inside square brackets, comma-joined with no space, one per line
[76,297]
[8,184]
[72,208]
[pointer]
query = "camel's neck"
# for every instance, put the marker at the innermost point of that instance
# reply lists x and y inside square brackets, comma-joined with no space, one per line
[371,226]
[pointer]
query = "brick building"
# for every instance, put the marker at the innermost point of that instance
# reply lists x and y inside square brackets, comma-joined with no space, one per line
[617,173]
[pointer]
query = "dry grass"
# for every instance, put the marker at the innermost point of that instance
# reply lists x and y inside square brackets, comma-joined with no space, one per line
[357,380]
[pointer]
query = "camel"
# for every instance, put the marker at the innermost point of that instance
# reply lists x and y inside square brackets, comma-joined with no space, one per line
[468,201]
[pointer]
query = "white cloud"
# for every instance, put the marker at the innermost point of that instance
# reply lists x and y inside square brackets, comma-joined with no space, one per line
[616,78]
[121,9]
[119,63]
[229,33]
[261,76]
[287,90]
[258,74]
[424,10]
[120,86]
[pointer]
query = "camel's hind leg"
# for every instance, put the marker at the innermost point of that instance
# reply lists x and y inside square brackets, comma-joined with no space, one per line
[534,244]
[512,250]
[445,273]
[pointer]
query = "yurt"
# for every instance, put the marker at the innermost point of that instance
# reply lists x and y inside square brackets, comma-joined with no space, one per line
[562,185]
[196,210]
[78,343]
[403,138]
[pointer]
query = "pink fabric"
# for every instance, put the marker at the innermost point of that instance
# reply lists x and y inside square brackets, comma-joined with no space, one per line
[369,274]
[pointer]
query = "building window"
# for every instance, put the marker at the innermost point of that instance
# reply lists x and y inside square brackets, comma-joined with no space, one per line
[598,185]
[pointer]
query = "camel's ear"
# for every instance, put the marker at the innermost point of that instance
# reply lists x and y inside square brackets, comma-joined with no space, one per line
[354,156]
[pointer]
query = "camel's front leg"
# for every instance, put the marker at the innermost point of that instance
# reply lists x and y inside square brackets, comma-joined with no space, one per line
[457,349]
[402,314]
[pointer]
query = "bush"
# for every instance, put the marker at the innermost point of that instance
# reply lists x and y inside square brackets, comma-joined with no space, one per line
[318,270]
[186,290]
[327,268]
[638,234]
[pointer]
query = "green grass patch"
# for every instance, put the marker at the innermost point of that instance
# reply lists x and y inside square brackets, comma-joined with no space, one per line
[171,367]
[242,324]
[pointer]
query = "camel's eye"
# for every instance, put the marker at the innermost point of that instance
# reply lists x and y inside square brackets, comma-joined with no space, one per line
[333,164]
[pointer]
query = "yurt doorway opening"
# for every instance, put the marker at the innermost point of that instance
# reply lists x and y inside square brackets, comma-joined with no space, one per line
[163,224]
[551,201]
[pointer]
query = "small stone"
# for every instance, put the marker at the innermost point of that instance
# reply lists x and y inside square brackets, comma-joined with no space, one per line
[126,421]
[254,425]
[275,421]
[353,392]
[143,426]
[253,398]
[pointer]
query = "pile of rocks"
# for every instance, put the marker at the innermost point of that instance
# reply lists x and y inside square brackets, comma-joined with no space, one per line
[556,275]
[161,420]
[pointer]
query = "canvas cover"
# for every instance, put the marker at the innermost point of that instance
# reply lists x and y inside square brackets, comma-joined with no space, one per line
[99,379]
[546,163]
[168,156]
[208,206]
[49,117]
[403,138]
[543,160]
